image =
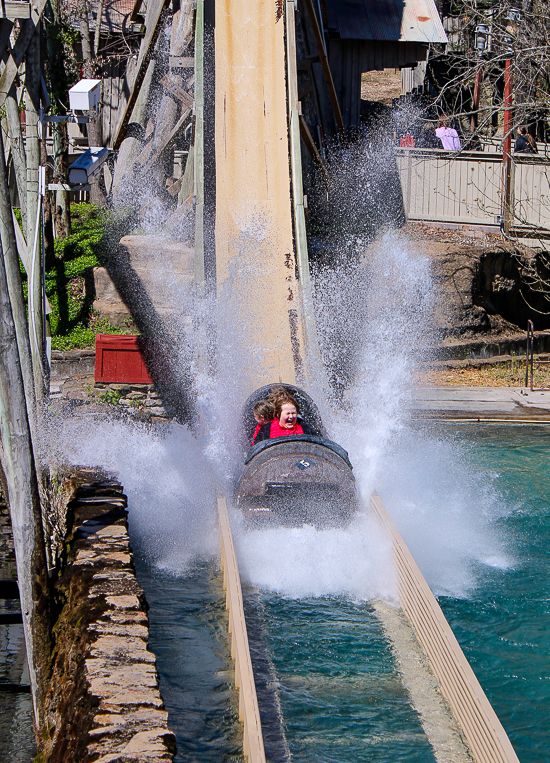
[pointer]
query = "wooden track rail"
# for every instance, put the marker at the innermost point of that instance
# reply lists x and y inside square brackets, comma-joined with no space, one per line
[313,367]
[198,166]
[484,734]
[249,713]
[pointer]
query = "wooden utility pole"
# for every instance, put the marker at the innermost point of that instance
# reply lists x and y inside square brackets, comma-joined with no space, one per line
[18,153]
[13,275]
[36,318]
[24,501]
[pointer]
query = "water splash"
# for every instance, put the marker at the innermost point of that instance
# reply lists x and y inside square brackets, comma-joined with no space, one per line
[168,481]
[442,505]
[430,488]
[304,562]
[397,323]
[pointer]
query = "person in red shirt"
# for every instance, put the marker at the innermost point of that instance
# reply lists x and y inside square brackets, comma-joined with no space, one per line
[263,413]
[285,421]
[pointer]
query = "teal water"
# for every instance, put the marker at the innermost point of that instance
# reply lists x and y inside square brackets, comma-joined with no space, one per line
[342,698]
[503,625]
[188,634]
[473,503]
[16,717]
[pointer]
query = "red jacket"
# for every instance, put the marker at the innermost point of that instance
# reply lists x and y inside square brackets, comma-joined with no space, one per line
[274,429]
[258,427]
[278,431]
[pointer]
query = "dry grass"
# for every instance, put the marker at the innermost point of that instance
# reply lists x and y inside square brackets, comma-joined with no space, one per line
[381,86]
[510,374]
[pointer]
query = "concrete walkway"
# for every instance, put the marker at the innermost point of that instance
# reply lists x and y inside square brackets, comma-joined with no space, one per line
[496,403]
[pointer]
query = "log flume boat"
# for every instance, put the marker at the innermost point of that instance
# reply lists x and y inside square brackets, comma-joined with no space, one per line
[295,479]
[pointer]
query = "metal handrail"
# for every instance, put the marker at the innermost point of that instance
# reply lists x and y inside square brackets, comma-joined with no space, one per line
[529,353]
[487,741]
[249,712]
[530,359]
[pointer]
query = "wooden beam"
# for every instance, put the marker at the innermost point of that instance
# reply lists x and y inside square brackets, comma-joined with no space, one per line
[17,150]
[323,60]
[178,92]
[311,147]
[174,188]
[304,64]
[19,468]
[135,10]
[23,253]
[306,88]
[15,10]
[181,62]
[144,158]
[17,54]
[198,159]
[8,235]
[249,710]
[34,208]
[152,24]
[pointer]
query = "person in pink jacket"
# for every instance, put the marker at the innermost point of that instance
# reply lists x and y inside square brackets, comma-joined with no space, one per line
[448,137]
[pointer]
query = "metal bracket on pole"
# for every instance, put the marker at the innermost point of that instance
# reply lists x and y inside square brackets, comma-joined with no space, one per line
[42,187]
[67,187]
[79,119]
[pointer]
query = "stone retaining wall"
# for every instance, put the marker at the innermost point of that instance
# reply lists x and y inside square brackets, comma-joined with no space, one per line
[72,378]
[72,363]
[104,703]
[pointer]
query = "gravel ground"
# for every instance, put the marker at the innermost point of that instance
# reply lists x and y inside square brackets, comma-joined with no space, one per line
[509,374]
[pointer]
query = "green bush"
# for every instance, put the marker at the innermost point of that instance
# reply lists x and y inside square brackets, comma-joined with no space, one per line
[73,321]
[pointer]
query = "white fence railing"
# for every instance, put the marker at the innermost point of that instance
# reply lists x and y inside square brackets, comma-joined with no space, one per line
[466,187]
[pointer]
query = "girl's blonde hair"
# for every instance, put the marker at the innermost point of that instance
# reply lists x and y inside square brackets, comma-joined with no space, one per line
[265,409]
[279,396]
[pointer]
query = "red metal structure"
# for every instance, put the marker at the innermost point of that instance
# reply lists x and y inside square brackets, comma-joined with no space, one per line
[507,147]
[119,359]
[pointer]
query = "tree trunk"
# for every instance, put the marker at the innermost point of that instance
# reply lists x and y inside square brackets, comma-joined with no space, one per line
[94,131]
[61,211]
[49,251]
[85,31]
[97,34]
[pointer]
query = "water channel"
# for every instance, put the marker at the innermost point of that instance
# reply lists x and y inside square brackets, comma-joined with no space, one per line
[341,697]
[471,502]
[16,723]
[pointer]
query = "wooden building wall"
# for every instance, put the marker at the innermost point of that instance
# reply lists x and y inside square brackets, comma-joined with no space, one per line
[350,58]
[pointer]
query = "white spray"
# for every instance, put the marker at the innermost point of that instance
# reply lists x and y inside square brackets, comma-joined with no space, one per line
[430,491]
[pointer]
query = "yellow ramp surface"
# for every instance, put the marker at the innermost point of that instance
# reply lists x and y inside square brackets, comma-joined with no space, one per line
[255,263]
